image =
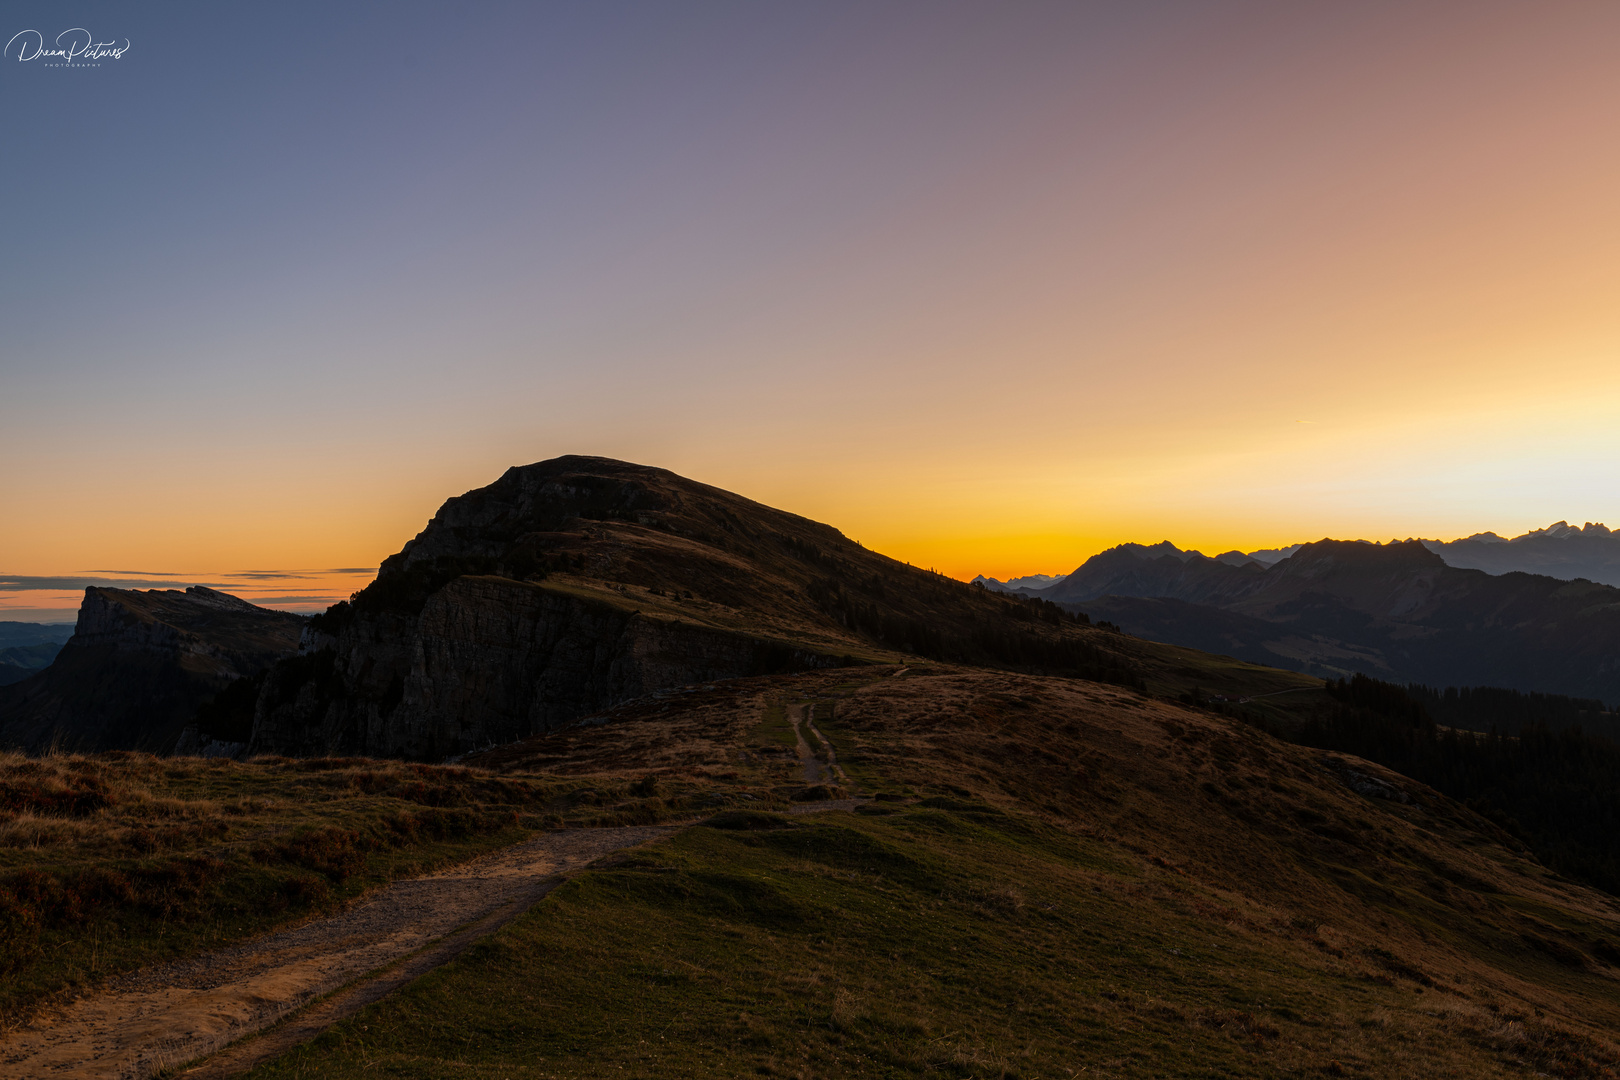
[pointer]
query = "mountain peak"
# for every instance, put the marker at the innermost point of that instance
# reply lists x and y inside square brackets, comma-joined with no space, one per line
[1397,554]
[1562,530]
[1163,549]
[574,585]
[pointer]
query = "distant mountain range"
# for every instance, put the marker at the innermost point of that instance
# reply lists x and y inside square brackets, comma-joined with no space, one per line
[22,634]
[1395,611]
[572,585]
[26,648]
[1560,551]
[1032,583]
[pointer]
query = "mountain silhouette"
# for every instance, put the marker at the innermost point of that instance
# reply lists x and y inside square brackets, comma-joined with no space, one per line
[1397,611]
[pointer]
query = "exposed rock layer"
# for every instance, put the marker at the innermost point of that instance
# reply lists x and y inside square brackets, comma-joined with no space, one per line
[490,660]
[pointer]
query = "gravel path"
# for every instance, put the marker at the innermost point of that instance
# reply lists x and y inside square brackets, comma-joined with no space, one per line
[179,1012]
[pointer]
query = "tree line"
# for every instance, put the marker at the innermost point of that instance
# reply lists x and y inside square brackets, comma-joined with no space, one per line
[1555,788]
[968,626]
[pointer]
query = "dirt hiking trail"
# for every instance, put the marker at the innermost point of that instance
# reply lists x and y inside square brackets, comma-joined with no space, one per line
[178,1012]
[835,772]
[817,769]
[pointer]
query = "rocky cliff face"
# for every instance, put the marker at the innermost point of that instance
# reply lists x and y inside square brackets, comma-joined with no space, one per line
[489,661]
[138,666]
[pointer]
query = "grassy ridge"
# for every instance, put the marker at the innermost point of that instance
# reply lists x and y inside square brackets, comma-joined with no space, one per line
[1059,878]
[1077,881]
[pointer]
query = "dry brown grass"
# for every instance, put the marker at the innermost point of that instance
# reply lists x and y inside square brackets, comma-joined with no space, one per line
[28,831]
[1473,952]
[110,861]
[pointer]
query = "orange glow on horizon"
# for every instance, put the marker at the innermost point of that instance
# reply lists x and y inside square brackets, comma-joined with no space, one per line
[1042,281]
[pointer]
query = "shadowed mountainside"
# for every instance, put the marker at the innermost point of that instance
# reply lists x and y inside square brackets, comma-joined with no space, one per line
[1160,569]
[138,666]
[1396,611]
[574,584]
[1560,550]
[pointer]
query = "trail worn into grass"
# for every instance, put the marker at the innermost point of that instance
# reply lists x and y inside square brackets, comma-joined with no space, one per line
[819,768]
[835,771]
[179,1012]
[808,761]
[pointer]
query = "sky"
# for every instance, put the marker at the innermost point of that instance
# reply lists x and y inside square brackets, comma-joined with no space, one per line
[990,287]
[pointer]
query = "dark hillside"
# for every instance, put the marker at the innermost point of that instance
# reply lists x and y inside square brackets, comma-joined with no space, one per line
[1557,791]
[1492,708]
[1394,611]
[1054,877]
[139,665]
[573,584]
[1157,570]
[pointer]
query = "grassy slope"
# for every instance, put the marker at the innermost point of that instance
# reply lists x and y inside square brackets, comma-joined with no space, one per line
[640,599]
[115,861]
[1067,879]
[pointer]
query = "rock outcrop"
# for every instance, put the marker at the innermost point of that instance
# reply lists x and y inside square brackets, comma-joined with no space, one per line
[139,665]
[488,661]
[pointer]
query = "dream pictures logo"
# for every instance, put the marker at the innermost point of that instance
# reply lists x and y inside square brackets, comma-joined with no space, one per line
[77,47]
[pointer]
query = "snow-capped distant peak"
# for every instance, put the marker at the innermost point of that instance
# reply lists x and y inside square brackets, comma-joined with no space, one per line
[1562,530]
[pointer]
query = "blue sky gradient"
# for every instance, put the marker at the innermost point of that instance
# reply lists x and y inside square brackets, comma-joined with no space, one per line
[988,286]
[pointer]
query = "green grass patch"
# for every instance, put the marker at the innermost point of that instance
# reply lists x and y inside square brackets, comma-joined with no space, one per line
[942,941]
[774,729]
